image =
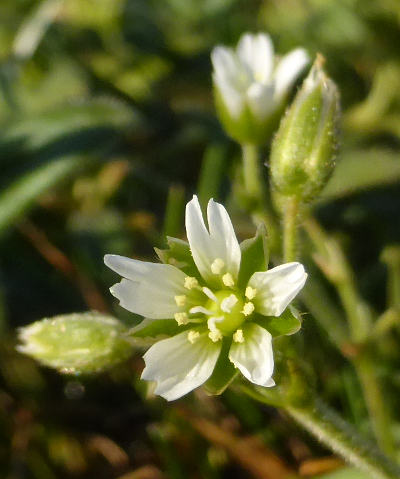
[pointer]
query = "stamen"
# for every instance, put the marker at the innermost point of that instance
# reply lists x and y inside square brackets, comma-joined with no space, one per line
[217,266]
[193,336]
[227,279]
[238,336]
[181,318]
[190,282]
[200,309]
[210,294]
[215,335]
[180,300]
[250,292]
[211,322]
[228,303]
[248,308]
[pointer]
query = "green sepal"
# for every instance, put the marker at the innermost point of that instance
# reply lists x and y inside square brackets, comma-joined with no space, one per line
[178,254]
[289,322]
[224,372]
[247,128]
[79,343]
[255,256]
[152,328]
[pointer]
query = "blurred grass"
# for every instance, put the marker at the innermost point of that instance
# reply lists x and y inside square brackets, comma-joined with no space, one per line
[107,126]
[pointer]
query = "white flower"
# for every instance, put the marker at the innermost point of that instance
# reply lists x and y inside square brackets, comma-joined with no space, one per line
[250,76]
[209,308]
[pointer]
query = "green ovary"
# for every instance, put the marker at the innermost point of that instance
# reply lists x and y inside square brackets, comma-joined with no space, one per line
[232,319]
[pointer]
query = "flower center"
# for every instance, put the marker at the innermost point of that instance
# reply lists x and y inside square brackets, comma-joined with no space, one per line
[228,311]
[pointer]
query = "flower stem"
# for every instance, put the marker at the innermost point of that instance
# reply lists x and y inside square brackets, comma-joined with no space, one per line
[332,431]
[259,201]
[290,229]
[251,172]
[334,264]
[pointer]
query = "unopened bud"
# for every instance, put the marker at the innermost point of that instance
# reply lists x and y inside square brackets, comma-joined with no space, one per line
[304,149]
[76,343]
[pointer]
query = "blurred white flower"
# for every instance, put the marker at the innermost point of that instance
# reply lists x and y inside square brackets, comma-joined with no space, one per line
[216,311]
[251,86]
[251,76]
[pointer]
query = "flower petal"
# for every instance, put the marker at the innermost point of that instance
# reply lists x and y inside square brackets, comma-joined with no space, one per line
[254,357]
[230,79]
[256,52]
[224,63]
[277,287]
[179,366]
[219,243]
[150,288]
[261,99]
[288,69]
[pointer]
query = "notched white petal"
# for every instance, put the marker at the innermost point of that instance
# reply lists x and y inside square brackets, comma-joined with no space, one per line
[148,289]
[219,242]
[179,366]
[253,355]
[256,52]
[277,287]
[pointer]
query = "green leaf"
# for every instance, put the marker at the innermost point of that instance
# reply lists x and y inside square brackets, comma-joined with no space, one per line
[254,256]
[151,328]
[362,170]
[20,196]
[224,372]
[344,473]
[79,343]
[178,254]
[289,322]
[58,146]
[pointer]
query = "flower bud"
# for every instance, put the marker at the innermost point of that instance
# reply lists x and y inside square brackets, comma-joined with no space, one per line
[251,86]
[76,343]
[303,151]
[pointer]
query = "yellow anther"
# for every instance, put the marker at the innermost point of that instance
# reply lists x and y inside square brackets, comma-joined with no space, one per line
[238,336]
[217,266]
[227,279]
[180,300]
[190,282]
[181,318]
[193,336]
[248,308]
[250,292]
[215,335]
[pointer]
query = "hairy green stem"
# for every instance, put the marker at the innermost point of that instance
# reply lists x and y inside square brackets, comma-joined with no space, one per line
[290,219]
[332,431]
[334,264]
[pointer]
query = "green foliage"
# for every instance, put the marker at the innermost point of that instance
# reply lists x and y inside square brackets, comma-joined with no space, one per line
[153,328]
[104,104]
[224,372]
[255,256]
[178,254]
[289,322]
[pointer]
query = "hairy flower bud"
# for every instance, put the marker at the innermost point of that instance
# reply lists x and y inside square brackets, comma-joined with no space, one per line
[76,343]
[303,151]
